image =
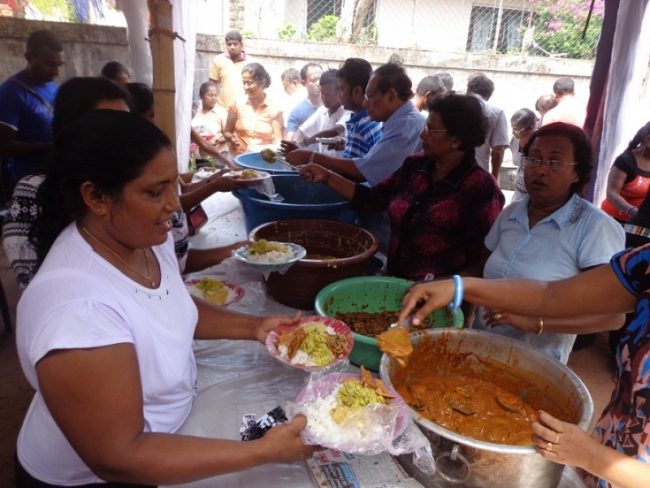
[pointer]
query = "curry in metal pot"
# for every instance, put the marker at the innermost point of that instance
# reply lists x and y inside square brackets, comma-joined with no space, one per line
[472,396]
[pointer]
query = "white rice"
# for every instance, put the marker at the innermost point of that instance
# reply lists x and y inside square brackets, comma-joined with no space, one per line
[357,431]
[271,257]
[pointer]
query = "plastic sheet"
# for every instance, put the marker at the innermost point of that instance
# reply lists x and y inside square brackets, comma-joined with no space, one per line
[368,431]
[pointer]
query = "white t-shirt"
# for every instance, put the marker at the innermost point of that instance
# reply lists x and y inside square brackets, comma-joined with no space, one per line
[321,120]
[79,300]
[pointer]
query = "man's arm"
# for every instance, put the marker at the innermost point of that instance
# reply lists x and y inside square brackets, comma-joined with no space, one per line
[496,158]
[10,147]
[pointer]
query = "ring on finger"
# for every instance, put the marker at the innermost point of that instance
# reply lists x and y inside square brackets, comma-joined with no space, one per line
[549,446]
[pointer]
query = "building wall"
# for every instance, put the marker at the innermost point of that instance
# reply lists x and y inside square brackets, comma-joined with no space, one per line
[519,80]
[423,24]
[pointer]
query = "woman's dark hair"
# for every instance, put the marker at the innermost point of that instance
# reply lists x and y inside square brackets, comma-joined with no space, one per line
[141,97]
[582,152]
[80,95]
[113,69]
[523,119]
[641,134]
[355,72]
[463,117]
[394,76]
[108,148]
[203,89]
[259,74]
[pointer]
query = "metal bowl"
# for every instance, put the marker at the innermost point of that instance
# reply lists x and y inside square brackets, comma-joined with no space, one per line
[464,461]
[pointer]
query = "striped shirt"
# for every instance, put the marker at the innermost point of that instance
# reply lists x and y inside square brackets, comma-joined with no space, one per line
[363,133]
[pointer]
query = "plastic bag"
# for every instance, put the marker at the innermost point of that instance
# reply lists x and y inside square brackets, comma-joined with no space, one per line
[370,430]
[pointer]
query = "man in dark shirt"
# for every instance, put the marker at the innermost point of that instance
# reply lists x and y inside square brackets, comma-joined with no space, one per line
[27,104]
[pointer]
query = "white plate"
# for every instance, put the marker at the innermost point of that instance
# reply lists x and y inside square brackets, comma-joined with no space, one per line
[297,252]
[236,175]
[235,292]
[204,173]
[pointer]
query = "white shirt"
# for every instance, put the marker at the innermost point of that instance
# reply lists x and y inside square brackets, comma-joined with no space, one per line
[321,120]
[497,134]
[79,300]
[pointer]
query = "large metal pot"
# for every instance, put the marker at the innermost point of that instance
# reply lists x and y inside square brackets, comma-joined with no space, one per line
[464,461]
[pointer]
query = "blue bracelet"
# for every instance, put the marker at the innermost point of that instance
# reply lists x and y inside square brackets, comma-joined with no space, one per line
[458,292]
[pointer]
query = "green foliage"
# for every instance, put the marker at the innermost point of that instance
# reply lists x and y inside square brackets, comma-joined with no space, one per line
[559,25]
[51,7]
[324,29]
[247,34]
[287,32]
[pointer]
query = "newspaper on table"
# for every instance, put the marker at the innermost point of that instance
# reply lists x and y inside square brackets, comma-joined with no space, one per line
[335,469]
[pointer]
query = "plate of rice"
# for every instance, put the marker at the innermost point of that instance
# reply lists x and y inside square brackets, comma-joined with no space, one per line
[270,255]
[248,175]
[353,413]
[214,291]
[315,343]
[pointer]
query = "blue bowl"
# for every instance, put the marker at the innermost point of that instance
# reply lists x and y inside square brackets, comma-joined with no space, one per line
[302,200]
[253,160]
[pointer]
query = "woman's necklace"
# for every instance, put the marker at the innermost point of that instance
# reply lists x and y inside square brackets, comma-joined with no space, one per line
[146,277]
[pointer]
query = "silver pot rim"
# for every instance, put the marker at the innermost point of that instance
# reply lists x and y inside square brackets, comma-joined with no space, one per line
[586,413]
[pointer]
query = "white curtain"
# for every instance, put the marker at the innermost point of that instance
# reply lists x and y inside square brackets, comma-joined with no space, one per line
[628,97]
[184,14]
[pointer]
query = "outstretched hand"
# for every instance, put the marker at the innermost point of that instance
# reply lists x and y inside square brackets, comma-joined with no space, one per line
[314,173]
[284,444]
[424,298]
[298,157]
[267,324]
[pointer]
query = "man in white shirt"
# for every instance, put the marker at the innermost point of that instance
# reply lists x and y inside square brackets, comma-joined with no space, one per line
[328,120]
[490,155]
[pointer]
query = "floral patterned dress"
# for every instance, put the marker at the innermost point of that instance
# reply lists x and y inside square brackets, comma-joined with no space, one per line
[624,424]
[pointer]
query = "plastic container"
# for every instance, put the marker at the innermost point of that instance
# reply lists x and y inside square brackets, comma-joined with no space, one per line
[301,200]
[335,250]
[372,294]
[253,160]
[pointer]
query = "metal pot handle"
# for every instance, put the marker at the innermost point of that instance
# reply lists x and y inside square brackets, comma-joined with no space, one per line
[457,457]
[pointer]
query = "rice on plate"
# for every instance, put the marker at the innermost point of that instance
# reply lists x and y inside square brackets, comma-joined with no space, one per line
[268,252]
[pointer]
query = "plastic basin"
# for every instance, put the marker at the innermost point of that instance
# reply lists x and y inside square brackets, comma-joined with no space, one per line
[302,200]
[335,250]
[372,294]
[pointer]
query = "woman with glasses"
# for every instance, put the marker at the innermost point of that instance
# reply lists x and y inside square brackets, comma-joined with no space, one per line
[524,123]
[255,120]
[441,204]
[629,178]
[552,234]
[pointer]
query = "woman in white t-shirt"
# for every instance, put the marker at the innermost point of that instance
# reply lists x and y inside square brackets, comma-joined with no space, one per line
[105,328]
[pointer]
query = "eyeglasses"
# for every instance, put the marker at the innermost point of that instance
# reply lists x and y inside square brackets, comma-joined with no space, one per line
[249,83]
[518,132]
[553,164]
[428,130]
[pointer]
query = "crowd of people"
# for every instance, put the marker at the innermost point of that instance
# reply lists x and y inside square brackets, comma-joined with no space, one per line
[97,236]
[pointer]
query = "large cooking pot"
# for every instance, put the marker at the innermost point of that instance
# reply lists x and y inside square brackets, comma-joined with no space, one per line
[464,461]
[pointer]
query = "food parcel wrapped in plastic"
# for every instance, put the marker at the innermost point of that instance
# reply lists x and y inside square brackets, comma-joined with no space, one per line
[358,414]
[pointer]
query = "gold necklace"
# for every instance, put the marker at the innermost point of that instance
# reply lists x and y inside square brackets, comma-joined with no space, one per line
[146,277]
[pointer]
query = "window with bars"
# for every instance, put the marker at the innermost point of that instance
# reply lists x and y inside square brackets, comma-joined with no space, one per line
[498,30]
[319,8]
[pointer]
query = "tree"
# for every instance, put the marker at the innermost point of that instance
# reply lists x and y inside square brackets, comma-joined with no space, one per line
[353,16]
[559,25]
